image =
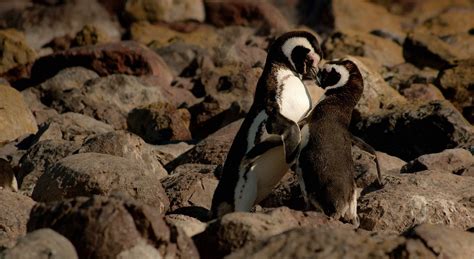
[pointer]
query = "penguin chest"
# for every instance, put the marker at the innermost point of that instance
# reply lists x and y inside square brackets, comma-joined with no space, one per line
[294,100]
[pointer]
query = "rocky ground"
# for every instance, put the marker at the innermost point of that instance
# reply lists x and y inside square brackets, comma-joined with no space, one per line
[116,116]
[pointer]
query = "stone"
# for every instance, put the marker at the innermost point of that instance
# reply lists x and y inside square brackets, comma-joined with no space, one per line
[15,50]
[365,167]
[39,158]
[235,230]
[385,52]
[40,111]
[404,75]
[89,35]
[165,11]
[422,93]
[42,244]
[140,250]
[456,85]
[126,57]
[211,151]
[88,174]
[160,122]
[451,20]
[246,13]
[287,193]
[111,98]
[167,153]
[389,164]
[194,168]
[426,50]
[398,133]
[84,221]
[15,210]
[42,23]
[425,197]
[126,145]
[190,225]
[456,161]
[16,119]
[7,177]
[190,192]
[76,127]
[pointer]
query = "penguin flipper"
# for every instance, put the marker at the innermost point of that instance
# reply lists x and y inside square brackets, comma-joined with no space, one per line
[290,134]
[360,143]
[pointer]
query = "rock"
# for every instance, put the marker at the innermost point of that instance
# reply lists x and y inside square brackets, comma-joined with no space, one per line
[211,151]
[125,57]
[385,52]
[16,119]
[457,161]
[462,43]
[89,35]
[426,241]
[141,250]
[166,11]
[423,49]
[247,13]
[365,167]
[190,192]
[404,75]
[75,127]
[456,85]
[43,23]
[194,168]
[39,158]
[398,132]
[237,229]
[160,122]
[190,225]
[111,98]
[40,111]
[451,20]
[287,193]
[126,145]
[84,221]
[178,55]
[15,51]
[15,210]
[410,199]
[389,164]
[422,92]
[359,15]
[87,174]
[167,153]
[377,95]
[42,244]
[7,177]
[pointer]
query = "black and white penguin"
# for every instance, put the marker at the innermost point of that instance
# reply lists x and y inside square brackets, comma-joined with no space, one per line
[7,177]
[281,101]
[325,164]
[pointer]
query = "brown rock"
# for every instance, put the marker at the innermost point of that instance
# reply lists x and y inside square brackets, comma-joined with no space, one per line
[126,145]
[114,58]
[457,161]
[194,168]
[160,122]
[456,85]
[16,119]
[398,132]
[102,227]
[389,164]
[451,20]
[384,51]
[422,93]
[75,127]
[15,211]
[237,229]
[15,51]
[410,199]
[406,74]
[166,11]
[39,158]
[42,244]
[246,13]
[88,174]
[167,153]
[89,35]
[190,225]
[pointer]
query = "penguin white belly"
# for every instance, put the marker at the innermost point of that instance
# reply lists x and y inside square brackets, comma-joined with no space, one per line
[295,101]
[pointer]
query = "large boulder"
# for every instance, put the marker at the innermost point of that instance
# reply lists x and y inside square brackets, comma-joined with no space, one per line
[76,127]
[413,130]
[16,119]
[426,197]
[15,212]
[42,244]
[87,174]
[164,11]
[457,161]
[100,227]
[126,145]
[15,51]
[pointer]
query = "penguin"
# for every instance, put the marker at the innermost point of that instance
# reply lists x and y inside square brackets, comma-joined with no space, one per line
[281,100]
[7,177]
[325,166]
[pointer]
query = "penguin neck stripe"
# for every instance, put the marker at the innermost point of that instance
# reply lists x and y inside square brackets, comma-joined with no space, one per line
[343,72]
[291,43]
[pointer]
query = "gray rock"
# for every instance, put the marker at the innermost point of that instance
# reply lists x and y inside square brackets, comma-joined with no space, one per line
[126,145]
[170,11]
[87,174]
[42,244]
[96,227]
[15,212]
[456,161]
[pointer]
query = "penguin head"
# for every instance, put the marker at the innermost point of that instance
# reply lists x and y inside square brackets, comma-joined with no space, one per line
[341,76]
[299,51]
